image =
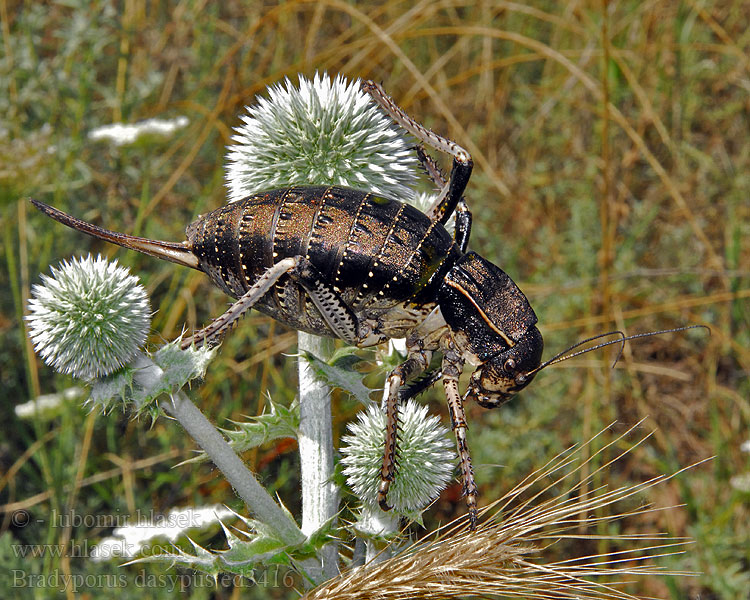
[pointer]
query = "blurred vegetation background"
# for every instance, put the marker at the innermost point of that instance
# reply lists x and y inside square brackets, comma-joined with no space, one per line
[611,143]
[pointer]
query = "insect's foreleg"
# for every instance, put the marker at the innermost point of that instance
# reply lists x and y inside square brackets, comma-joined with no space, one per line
[416,362]
[452,367]
[432,169]
[419,386]
[451,193]
[438,208]
[419,131]
[462,163]
[223,323]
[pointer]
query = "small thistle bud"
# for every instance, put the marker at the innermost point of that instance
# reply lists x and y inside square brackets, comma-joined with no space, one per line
[89,318]
[425,457]
[324,132]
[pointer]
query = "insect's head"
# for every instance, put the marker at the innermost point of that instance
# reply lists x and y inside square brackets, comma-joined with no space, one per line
[497,379]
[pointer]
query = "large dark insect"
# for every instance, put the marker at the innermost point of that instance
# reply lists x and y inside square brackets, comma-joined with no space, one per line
[344,263]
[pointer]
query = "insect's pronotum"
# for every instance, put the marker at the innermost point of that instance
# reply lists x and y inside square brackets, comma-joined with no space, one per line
[345,263]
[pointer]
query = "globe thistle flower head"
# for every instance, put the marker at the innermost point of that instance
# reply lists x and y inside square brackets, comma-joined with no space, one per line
[89,318]
[323,132]
[425,457]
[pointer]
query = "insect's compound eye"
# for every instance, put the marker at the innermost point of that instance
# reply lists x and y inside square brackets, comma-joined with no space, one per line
[510,366]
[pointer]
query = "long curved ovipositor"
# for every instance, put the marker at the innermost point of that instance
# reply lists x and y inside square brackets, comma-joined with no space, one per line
[176,252]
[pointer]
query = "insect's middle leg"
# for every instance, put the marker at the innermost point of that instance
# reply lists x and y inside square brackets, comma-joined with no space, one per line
[416,362]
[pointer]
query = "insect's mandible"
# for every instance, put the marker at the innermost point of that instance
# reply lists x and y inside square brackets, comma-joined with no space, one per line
[345,263]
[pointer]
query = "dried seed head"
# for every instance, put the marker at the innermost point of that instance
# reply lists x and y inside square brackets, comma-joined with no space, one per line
[89,318]
[425,457]
[508,556]
[323,132]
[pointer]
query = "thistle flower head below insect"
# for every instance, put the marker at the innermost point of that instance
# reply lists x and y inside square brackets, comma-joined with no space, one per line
[425,457]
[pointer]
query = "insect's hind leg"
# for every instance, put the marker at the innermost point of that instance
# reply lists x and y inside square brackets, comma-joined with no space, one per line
[462,163]
[219,326]
[463,214]
[339,317]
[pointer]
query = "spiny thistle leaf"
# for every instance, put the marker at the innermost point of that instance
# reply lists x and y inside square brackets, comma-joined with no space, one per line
[339,372]
[203,560]
[133,538]
[138,385]
[247,550]
[241,558]
[113,390]
[281,422]
[244,556]
[182,366]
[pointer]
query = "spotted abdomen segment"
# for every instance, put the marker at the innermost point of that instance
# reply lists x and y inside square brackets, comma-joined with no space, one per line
[374,252]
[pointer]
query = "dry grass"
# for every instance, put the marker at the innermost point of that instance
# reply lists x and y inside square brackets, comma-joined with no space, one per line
[505,556]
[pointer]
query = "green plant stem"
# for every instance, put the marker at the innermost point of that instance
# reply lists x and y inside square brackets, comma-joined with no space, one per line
[320,500]
[258,500]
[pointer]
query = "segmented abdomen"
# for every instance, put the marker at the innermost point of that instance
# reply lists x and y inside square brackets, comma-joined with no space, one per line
[375,252]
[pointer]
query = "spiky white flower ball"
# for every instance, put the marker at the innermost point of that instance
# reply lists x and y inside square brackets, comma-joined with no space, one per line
[324,132]
[425,457]
[89,318]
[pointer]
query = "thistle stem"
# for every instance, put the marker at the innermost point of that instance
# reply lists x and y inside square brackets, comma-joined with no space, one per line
[258,500]
[319,494]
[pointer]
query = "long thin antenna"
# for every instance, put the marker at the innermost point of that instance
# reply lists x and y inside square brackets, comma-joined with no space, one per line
[563,356]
